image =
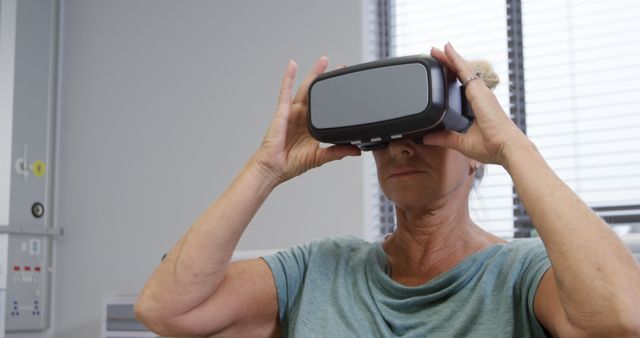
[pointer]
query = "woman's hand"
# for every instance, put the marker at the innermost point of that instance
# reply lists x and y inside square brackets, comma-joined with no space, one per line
[288,149]
[493,136]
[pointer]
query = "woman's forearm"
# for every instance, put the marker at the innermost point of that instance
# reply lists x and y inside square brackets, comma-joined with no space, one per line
[195,266]
[597,277]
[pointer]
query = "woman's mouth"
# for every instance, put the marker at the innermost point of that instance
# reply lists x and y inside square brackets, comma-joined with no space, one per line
[401,172]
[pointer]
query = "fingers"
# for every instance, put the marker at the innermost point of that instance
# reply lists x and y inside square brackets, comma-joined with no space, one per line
[450,58]
[476,90]
[443,138]
[441,56]
[337,152]
[318,68]
[286,88]
[459,65]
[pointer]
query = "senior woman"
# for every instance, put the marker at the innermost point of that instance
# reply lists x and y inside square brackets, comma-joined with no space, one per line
[437,275]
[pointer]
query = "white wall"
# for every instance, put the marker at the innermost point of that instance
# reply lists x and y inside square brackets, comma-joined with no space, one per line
[7,54]
[161,103]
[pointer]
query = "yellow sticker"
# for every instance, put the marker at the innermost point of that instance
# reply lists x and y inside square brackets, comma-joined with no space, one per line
[39,168]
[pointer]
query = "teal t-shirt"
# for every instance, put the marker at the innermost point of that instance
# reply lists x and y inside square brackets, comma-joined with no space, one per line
[339,287]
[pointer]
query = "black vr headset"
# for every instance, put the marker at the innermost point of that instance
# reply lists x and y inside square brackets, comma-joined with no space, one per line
[370,104]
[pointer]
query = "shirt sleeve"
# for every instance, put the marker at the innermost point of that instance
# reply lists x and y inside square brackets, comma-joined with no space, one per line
[536,263]
[288,267]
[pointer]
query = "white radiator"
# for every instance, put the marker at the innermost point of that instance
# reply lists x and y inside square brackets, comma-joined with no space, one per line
[118,320]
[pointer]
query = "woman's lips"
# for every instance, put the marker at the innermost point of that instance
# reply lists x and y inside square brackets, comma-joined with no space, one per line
[404,172]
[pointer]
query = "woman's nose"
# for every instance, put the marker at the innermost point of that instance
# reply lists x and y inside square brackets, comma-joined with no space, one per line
[402,148]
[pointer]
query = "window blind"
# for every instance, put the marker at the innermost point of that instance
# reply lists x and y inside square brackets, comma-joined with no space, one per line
[477,30]
[580,62]
[581,67]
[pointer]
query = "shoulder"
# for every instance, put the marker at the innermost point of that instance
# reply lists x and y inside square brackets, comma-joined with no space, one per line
[325,249]
[525,259]
[523,249]
[338,248]
[518,260]
[340,243]
[525,243]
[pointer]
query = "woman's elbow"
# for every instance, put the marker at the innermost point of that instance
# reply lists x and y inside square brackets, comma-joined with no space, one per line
[628,318]
[164,324]
[625,326]
[631,326]
[148,315]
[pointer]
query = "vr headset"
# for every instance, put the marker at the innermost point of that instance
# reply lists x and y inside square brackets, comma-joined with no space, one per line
[370,104]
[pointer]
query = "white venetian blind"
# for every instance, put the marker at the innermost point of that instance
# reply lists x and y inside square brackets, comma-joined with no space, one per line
[582,91]
[478,30]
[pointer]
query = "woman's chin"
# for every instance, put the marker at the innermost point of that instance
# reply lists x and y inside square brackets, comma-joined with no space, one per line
[408,199]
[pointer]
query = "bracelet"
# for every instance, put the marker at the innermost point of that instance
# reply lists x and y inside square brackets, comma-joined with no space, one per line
[475,76]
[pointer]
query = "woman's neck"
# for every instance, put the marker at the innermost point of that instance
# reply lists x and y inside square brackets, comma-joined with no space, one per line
[432,241]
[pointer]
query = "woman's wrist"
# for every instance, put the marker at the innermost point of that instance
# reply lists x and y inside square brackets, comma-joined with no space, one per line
[265,176]
[519,150]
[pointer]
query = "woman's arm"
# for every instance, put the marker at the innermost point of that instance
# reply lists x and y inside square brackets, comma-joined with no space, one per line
[594,276]
[593,287]
[180,294]
[195,291]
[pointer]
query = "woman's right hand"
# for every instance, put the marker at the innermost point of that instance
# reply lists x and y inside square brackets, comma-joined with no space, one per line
[288,149]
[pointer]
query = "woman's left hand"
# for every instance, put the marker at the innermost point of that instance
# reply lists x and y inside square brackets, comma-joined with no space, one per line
[493,136]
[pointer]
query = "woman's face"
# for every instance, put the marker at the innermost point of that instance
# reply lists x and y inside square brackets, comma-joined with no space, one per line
[414,175]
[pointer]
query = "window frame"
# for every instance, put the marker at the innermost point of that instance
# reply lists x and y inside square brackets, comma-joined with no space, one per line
[523,227]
